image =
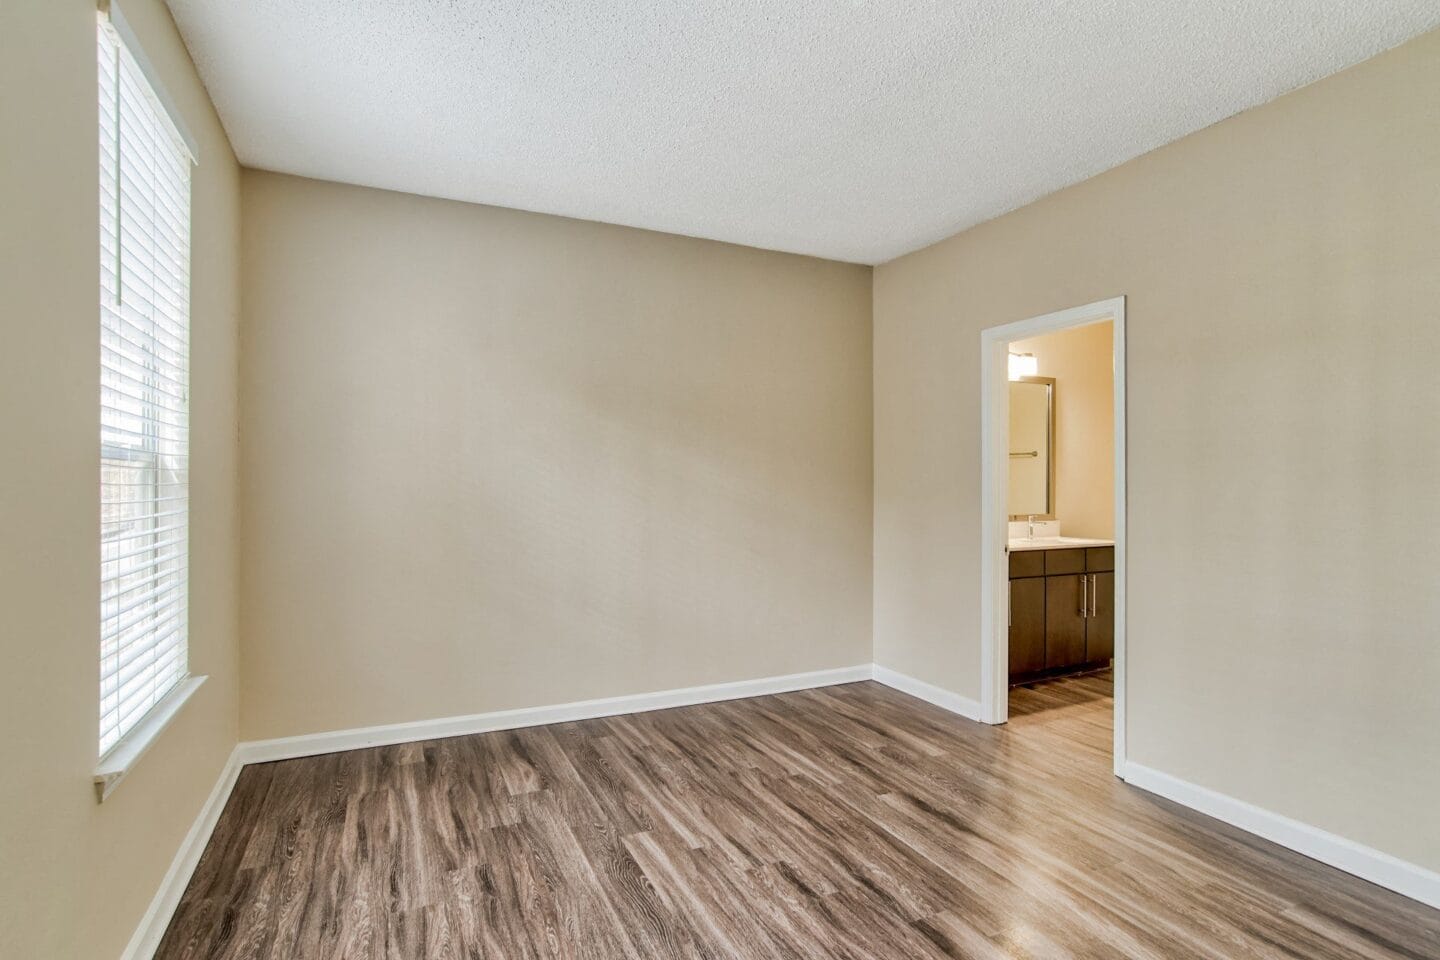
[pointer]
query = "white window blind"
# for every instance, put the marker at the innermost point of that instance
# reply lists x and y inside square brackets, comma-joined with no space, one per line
[144,393]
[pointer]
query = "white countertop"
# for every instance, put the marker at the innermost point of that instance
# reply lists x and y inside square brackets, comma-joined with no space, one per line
[1056,543]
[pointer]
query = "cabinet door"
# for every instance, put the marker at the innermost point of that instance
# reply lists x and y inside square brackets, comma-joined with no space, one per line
[1100,628]
[1027,625]
[1064,622]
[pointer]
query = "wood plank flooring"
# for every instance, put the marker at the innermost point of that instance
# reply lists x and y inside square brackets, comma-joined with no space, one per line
[850,822]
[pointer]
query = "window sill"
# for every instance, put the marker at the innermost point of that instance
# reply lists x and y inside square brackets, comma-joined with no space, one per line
[120,759]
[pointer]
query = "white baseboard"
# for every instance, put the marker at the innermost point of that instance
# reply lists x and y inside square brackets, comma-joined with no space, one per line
[1382,869]
[148,934]
[945,699]
[285,748]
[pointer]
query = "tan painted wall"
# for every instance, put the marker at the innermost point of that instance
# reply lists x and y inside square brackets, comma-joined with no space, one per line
[78,876]
[1282,270]
[494,459]
[1080,361]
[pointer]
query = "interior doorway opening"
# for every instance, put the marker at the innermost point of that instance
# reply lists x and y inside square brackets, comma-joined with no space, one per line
[1053,503]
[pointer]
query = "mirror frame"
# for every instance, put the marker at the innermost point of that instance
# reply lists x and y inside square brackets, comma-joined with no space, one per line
[1049,513]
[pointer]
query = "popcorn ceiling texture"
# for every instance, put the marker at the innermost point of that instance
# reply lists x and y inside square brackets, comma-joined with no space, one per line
[851,129]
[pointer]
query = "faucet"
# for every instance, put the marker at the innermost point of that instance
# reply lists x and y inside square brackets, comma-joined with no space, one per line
[1031,521]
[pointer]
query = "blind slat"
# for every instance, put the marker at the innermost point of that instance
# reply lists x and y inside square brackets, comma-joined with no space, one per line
[152,414]
[115,561]
[146,689]
[137,325]
[144,309]
[139,347]
[127,379]
[149,532]
[154,585]
[132,659]
[139,637]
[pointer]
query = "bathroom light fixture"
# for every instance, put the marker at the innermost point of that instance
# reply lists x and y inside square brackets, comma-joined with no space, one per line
[1023,365]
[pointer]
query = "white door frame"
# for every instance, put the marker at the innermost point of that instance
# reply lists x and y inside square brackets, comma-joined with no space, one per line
[995,464]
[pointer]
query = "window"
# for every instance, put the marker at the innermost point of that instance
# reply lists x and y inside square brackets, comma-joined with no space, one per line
[144,393]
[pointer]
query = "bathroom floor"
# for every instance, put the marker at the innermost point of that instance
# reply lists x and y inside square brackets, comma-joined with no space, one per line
[1086,696]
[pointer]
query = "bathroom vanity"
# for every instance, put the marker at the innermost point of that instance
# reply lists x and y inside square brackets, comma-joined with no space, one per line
[1062,606]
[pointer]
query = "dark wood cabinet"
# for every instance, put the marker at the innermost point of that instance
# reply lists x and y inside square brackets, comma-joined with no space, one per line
[1027,625]
[1027,563]
[1063,561]
[1065,620]
[1062,611]
[1100,627]
[1100,558]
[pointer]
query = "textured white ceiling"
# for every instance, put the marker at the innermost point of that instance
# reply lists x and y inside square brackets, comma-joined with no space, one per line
[851,129]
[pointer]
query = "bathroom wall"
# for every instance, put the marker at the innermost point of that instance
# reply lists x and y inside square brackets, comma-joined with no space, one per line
[1080,361]
[1282,276]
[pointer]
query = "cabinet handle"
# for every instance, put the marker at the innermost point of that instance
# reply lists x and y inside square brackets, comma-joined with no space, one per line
[1084,589]
[1094,594]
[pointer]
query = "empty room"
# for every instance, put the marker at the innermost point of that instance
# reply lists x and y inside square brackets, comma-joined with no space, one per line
[500,480]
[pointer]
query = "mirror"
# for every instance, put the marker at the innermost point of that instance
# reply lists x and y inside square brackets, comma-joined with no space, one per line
[1032,448]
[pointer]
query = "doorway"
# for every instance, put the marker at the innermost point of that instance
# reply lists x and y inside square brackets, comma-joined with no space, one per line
[995,379]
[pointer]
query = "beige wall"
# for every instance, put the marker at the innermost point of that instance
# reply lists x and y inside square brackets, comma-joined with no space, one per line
[1282,270]
[494,459]
[1080,361]
[78,876]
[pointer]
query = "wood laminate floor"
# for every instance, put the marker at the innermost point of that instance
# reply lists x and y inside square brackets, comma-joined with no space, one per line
[849,822]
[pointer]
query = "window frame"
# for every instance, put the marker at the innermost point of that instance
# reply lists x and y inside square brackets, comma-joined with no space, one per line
[150,378]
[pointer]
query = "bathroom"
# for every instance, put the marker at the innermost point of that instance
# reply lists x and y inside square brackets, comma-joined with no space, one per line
[1061,507]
